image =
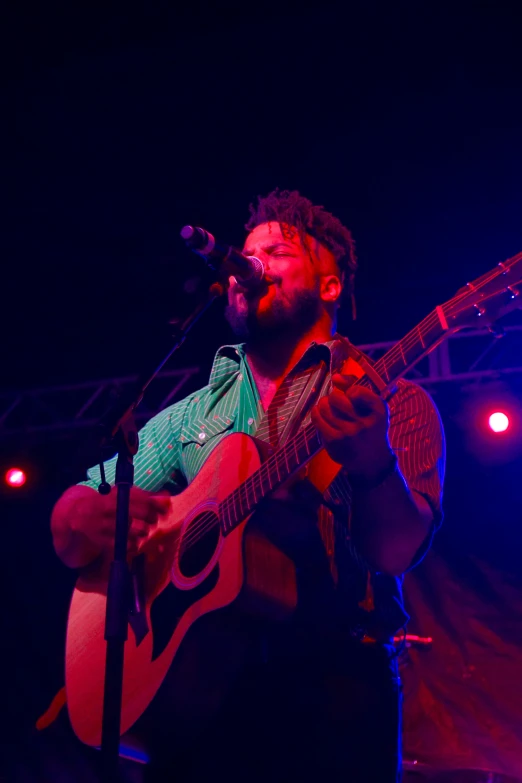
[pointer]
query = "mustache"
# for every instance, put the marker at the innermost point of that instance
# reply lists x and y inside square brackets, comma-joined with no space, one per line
[272,278]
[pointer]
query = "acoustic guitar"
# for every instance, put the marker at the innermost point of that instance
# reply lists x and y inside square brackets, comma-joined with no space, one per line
[203,556]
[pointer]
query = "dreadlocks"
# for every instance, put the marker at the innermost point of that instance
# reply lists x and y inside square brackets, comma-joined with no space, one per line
[295,212]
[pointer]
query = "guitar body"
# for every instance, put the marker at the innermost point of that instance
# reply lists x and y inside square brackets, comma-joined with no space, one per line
[180,585]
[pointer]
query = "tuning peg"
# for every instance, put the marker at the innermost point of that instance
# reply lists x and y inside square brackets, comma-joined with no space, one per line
[480,310]
[514,291]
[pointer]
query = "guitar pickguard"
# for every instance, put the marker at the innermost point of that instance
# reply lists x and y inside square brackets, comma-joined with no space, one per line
[170,605]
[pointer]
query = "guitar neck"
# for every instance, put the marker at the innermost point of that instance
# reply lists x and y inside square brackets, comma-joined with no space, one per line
[300,449]
[408,351]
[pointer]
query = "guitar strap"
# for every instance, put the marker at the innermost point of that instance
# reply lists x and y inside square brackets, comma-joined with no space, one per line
[308,398]
[322,470]
[345,359]
[268,429]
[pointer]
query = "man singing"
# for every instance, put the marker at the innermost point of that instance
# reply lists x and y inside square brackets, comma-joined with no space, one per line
[318,696]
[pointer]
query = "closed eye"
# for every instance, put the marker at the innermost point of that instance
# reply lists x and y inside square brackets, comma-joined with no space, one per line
[273,250]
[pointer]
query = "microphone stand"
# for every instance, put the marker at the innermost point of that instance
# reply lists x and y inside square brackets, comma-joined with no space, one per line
[119,429]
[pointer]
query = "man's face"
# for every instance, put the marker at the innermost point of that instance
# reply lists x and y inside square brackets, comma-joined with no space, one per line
[290,298]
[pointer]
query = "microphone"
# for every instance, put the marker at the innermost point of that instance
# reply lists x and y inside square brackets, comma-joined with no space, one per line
[248,270]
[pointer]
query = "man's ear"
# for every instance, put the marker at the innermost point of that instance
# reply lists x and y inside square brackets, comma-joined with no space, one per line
[331,288]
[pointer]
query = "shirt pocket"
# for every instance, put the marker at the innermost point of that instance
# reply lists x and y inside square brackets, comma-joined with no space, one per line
[198,437]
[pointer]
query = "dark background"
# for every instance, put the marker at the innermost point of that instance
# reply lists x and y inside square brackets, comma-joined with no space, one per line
[123,123]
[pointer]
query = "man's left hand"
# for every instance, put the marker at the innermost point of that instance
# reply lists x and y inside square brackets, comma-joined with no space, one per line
[353,422]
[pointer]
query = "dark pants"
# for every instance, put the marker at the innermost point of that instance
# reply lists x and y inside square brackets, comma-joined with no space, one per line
[299,711]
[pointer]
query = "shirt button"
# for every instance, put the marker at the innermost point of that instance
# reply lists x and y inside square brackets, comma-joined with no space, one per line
[202,436]
[240,376]
[251,421]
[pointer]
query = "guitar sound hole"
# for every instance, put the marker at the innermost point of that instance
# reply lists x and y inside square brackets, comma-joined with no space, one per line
[199,543]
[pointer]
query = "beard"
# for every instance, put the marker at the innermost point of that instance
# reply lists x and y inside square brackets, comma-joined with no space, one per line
[287,316]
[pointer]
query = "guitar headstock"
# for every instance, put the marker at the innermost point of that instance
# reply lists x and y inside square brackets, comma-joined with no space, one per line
[488,298]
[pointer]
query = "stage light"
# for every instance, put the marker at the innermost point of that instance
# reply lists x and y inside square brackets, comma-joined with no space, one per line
[490,417]
[498,421]
[15,477]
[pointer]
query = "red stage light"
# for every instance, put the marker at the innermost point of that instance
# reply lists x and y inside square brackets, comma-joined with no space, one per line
[498,421]
[15,477]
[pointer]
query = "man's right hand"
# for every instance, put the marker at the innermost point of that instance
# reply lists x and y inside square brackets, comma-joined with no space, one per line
[83,522]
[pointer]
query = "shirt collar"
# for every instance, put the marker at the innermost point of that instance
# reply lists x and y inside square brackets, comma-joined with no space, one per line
[226,364]
[228,358]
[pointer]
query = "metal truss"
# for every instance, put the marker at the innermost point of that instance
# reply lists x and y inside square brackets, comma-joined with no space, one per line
[467,356]
[472,355]
[81,405]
